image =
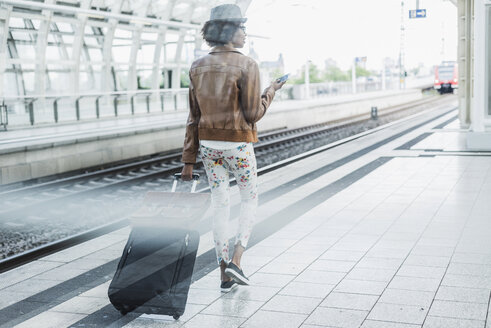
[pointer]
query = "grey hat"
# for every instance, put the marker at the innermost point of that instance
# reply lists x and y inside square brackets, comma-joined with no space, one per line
[228,12]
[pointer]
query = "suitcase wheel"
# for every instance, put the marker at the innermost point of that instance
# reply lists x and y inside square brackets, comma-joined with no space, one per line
[176,316]
[123,312]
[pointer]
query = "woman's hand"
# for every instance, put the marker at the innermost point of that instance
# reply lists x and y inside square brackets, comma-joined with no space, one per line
[277,85]
[187,172]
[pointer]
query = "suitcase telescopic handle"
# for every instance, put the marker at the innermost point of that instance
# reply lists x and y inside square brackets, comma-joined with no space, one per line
[177,177]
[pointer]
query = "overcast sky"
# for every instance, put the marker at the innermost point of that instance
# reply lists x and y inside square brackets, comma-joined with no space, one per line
[319,29]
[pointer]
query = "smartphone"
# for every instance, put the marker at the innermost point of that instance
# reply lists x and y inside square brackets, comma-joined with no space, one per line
[282,79]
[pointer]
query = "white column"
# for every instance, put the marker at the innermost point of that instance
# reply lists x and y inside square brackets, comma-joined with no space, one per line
[307,79]
[176,74]
[135,46]
[353,77]
[106,74]
[78,42]
[384,83]
[478,107]
[478,138]
[41,45]
[156,71]
[4,32]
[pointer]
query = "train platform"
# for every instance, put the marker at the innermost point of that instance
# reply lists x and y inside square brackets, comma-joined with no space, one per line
[385,229]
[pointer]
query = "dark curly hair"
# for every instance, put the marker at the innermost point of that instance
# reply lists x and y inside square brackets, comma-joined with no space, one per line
[219,32]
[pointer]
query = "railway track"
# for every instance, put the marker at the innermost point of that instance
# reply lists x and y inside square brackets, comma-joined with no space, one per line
[41,219]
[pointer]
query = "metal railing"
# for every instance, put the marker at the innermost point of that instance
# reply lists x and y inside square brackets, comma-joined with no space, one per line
[37,109]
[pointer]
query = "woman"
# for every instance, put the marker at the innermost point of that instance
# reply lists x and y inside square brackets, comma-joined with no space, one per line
[225,104]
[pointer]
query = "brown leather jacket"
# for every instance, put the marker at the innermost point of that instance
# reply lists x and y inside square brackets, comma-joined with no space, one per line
[224,100]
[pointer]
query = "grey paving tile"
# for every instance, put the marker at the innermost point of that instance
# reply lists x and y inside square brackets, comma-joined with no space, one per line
[168,321]
[386,324]
[424,250]
[25,272]
[262,319]
[84,264]
[421,271]
[388,253]
[440,322]
[207,282]
[277,242]
[469,281]
[360,287]
[208,320]
[373,274]
[233,307]
[332,265]
[51,320]
[379,263]
[255,260]
[9,298]
[81,305]
[460,310]
[398,313]
[426,260]
[412,283]
[350,301]
[60,274]
[270,280]
[252,293]
[332,317]
[407,297]
[306,289]
[469,269]
[473,258]
[31,286]
[291,257]
[106,254]
[283,267]
[292,304]
[342,255]
[203,296]
[266,251]
[140,322]
[462,294]
[320,277]
[99,291]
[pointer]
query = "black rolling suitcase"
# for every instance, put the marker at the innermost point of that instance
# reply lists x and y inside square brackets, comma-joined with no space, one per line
[155,270]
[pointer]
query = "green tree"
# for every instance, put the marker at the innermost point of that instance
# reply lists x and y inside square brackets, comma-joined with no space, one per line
[315,75]
[360,71]
[335,74]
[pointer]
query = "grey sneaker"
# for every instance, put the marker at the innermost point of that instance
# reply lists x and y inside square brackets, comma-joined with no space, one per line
[236,274]
[227,286]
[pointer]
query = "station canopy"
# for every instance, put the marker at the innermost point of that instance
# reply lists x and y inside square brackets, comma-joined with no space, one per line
[70,46]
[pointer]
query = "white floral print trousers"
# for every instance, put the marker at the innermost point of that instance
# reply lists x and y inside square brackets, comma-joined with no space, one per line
[241,161]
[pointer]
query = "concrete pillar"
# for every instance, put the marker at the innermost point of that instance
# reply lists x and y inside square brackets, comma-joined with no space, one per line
[479,136]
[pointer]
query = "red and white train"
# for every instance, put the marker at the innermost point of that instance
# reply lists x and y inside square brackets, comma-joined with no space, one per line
[446,77]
